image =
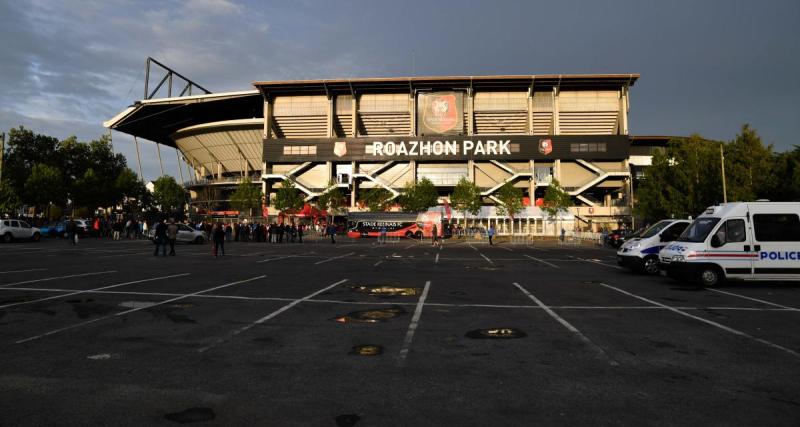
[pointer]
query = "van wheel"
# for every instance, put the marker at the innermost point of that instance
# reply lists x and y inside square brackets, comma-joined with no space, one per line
[651,265]
[7,238]
[36,237]
[710,276]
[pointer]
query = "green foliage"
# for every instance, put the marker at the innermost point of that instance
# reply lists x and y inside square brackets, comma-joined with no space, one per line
[682,181]
[510,200]
[44,185]
[24,150]
[288,198]
[246,197]
[168,194]
[377,199]
[787,167]
[466,197]
[9,202]
[420,196]
[556,200]
[132,191]
[748,167]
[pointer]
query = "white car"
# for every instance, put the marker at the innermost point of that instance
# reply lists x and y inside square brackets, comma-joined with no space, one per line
[185,234]
[14,229]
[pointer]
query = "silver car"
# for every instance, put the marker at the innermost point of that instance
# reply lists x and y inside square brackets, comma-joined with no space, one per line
[185,234]
[14,229]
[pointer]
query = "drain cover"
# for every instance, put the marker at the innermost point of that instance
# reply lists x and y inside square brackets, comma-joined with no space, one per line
[496,333]
[370,316]
[387,290]
[366,350]
[191,415]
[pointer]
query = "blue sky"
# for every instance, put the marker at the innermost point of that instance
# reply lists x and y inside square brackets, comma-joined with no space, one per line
[706,66]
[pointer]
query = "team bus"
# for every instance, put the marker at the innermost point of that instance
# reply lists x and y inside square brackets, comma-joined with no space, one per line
[398,224]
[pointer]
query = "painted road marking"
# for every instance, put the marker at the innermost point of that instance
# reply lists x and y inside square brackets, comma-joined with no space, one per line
[46,279]
[22,271]
[275,259]
[410,246]
[437,259]
[486,258]
[600,352]
[412,327]
[92,290]
[333,258]
[600,263]
[270,316]
[706,321]
[122,313]
[508,249]
[377,263]
[749,298]
[542,261]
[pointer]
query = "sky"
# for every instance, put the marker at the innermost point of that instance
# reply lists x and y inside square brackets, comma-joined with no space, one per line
[706,67]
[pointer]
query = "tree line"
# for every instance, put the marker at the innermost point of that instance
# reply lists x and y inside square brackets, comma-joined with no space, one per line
[55,176]
[686,177]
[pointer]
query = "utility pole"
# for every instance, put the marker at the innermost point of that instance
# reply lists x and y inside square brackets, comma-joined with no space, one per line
[722,159]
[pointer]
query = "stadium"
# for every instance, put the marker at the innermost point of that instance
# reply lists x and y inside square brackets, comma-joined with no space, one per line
[363,133]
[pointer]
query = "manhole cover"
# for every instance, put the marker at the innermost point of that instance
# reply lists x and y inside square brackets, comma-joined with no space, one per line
[496,333]
[366,350]
[370,316]
[387,290]
[191,415]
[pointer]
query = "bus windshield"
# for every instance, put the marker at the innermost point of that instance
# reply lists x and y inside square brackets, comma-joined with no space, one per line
[698,230]
[655,229]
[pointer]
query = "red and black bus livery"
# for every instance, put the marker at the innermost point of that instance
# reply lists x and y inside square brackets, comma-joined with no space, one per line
[398,224]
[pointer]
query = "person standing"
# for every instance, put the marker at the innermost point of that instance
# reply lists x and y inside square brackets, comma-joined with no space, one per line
[161,238]
[563,233]
[172,235]
[71,230]
[219,240]
[434,235]
[490,233]
[300,229]
[382,235]
[332,232]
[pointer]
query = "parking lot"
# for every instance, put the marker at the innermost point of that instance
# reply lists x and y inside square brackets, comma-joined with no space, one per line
[465,334]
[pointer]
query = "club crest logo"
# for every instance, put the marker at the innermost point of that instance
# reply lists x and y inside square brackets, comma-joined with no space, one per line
[545,146]
[340,148]
[440,113]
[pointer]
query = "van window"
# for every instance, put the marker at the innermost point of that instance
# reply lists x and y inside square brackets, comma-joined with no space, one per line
[698,231]
[655,229]
[673,231]
[777,227]
[732,231]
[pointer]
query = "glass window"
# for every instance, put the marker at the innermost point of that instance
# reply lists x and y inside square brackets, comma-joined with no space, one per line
[15,223]
[24,224]
[699,230]
[6,223]
[777,227]
[655,229]
[673,231]
[731,232]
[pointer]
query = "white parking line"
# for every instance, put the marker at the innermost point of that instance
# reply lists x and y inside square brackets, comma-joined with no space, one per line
[22,271]
[437,258]
[486,258]
[122,313]
[275,259]
[377,263]
[600,263]
[574,330]
[542,261]
[473,247]
[270,316]
[46,279]
[410,246]
[333,258]
[706,321]
[749,298]
[508,249]
[412,327]
[91,290]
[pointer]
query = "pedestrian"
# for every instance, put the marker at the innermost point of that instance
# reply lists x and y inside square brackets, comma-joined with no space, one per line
[382,236]
[434,235]
[172,235]
[300,229]
[161,238]
[563,233]
[219,239]
[96,227]
[72,229]
[293,231]
[332,232]
[228,233]
[490,233]
[281,229]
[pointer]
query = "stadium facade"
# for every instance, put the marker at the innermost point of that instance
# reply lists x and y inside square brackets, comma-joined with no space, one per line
[385,132]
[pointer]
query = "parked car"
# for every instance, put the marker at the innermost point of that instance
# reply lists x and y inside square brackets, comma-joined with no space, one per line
[641,253]
[186,234]
[13,229]
[615,238]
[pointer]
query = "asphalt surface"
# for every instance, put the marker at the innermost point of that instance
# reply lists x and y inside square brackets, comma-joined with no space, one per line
[106,334]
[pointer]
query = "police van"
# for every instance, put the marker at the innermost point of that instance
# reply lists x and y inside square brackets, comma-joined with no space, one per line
[641,252]
[744,241]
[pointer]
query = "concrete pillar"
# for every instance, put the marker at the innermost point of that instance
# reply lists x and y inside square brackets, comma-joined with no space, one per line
[470,111]
[413,165]
[412,111]
[623,111]
[471,170]
[355,115]
[557,170]
[556,120]
[530,111]
[268,117]
[331,111]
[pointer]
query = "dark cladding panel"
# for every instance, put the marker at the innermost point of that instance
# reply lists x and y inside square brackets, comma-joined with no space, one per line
[444,148]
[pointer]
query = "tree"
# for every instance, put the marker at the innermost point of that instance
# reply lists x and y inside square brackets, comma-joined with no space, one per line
[24,150]
[556,200]
[288,198]
[377,199]
[418,197]
[332,200]
[168,194]
[246,197]
[43,186]
[682,181]
[748,167]
[9,202]
[466,198]
[131,191]
[787,166]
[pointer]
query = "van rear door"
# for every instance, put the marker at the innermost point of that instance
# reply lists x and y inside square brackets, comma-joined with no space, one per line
[777,241]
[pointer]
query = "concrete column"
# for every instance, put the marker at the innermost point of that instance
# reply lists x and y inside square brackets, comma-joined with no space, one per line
[413,164]
[623,111]
[355,115]
[471,170]
[329,168]
[557,170]
[530,111]
[556,121]
[532,184]
[354,186]
[412,110]
[331,112]
[470,111]
[268,117]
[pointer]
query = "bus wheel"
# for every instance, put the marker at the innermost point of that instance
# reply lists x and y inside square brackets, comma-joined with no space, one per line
[409,235]
[418,235]
[651,265]
[710,276]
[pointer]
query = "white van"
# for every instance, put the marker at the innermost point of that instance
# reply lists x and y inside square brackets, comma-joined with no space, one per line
[746,241]
[641,252]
